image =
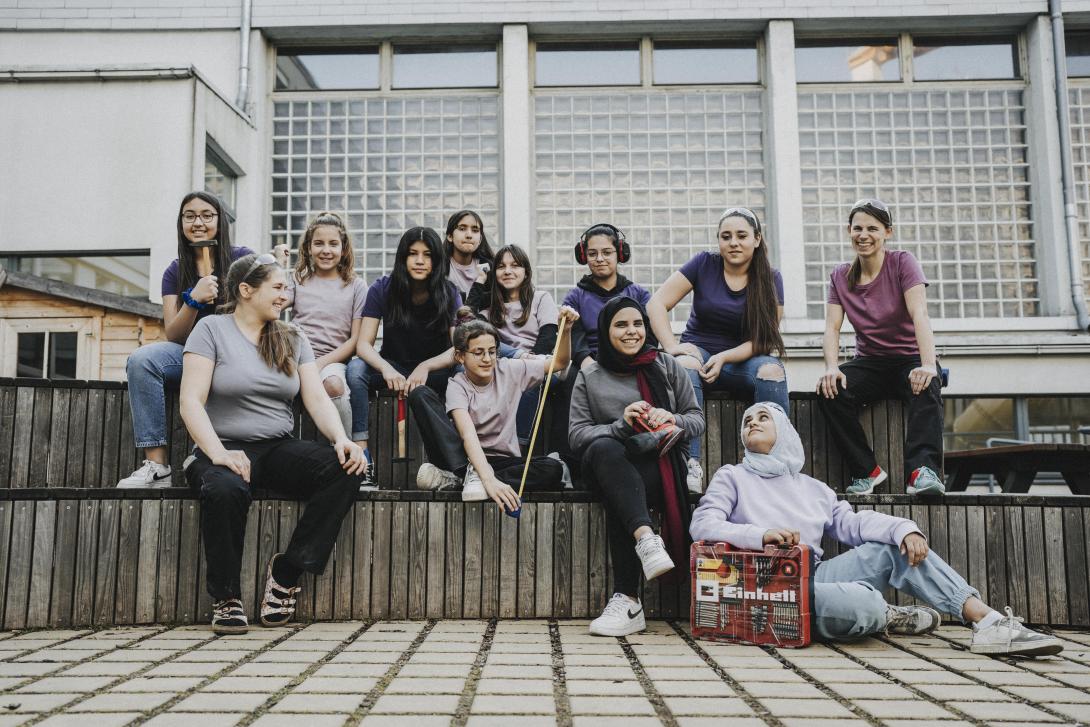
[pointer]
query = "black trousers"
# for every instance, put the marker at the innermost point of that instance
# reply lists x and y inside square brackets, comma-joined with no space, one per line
[558,429]
[872,379]
[444,449]
[629,487]
[301,469]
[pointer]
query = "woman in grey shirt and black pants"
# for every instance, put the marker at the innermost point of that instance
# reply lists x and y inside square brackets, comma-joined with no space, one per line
[241,373]
[632,411]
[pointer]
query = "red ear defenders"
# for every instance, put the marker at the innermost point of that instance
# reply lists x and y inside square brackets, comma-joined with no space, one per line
[624,252]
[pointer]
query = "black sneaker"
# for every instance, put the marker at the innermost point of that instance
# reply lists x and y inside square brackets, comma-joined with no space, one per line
[278,603]
[228,617]
[367,482]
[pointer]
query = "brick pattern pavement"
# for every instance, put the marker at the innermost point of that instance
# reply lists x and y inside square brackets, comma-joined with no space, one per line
[523,673]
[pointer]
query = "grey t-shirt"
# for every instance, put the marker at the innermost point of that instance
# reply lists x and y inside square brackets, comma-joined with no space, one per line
[248,400]
[492,407]
[325,309]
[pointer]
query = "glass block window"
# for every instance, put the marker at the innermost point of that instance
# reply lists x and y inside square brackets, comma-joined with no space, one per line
[388,162]
[1079,106]
[860,61]
[952,163]
[661,166]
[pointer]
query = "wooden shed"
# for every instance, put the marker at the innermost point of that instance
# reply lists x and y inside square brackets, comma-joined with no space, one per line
[56,330]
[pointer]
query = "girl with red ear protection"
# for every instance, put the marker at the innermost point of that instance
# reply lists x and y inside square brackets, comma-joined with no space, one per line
[620,244]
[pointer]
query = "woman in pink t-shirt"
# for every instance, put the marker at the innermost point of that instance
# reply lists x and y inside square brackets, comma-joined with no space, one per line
[883,294]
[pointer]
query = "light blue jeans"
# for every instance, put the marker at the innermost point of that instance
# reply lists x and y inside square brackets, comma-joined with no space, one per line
[848,602]
[149,370]
[741,380]
[356,376]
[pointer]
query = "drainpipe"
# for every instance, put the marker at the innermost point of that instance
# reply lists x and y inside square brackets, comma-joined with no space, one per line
[1071,220]
[243,100]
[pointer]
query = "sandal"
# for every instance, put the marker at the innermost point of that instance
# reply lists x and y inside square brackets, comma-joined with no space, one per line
[228,617]
[278,603]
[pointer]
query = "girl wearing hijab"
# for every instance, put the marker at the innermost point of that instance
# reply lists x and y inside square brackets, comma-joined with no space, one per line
[631,388]
[767,501]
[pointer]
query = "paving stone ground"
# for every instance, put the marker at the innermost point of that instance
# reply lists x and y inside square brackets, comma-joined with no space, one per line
[521,673]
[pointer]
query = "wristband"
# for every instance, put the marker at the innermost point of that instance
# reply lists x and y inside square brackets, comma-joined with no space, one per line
[188,300]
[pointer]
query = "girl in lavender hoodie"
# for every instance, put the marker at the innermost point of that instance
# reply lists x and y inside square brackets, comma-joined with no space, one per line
[767,501]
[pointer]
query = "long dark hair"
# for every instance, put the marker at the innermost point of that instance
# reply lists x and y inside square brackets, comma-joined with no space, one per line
[497,312]
[221,253]
[304,268]
[440,290]
[877,209]
[484,250]
[277,340]
[762,318]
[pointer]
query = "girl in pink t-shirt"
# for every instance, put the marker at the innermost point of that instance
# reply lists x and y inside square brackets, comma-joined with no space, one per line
[883,294]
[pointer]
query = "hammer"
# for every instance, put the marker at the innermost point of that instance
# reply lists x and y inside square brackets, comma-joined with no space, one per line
[204,260]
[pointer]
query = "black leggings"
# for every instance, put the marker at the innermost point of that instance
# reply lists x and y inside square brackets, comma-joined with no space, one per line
[302,469]
[629,487]
[444,449]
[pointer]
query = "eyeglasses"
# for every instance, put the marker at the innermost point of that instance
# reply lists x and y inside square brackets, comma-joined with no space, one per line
[481,352]
[262,259]
[190,217]
[604,253]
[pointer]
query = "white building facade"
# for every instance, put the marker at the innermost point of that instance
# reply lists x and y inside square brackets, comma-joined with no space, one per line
[549,115]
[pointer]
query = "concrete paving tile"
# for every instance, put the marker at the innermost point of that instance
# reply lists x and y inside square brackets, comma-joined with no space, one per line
[760,660]
[287,657]
[671,660]
[174,669]
[825,662]
[219,702]
[407,704]
[512,704]
[1080,712]
[124,702]
[805,708]
[929,677]
[326,704]
[707,706]
[100,668]
[892,708]
[612,687]
[158,684]
[857,675]
[65,684]
[351,670]
[498,720]
[260,685]
[335,685]
[598,672]
[796,690]
[927,723]
[137,655]
[506,671]
[425,685]
[22,669]
[28,703]
[717,722]
[611,705]
[1075,680]
[1013,678]
[810,722]
[439,657]
[115,719]
[452,647]
[971,692]
[695,688]
[744,675]
[270,669]
[594,660]
[1006,711]
[515,686]
[601,721]
[389,720]
[294,720]
[871,690]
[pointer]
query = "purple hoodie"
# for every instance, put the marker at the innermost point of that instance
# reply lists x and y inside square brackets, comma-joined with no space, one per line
[740,506]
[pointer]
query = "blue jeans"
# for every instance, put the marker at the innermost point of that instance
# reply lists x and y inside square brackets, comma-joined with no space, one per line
[362,380]
[150,369]
[741,380]
[848,602]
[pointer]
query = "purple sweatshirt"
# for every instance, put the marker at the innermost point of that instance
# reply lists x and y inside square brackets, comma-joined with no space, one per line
[740,506]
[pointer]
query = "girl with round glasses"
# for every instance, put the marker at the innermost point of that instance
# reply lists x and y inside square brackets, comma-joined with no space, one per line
[188,297]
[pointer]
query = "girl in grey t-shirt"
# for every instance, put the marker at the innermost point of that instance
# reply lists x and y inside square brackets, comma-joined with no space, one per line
[241,373]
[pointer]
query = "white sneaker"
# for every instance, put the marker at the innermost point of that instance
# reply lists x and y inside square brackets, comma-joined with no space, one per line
[1008,637]
[622,616]
[695,478]
[653,555]
[150,474]
[472,487]
[430,477]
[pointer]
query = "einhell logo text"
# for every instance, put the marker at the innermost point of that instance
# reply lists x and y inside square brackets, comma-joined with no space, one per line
[737,593]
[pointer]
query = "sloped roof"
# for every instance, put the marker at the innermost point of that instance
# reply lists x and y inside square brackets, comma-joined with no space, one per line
[78,293]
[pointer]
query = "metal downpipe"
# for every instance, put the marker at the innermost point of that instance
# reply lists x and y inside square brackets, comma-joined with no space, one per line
[243,98]
[1067,169]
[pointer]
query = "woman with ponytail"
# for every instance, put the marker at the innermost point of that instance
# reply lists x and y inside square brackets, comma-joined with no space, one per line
[733,335]
[187,298]
[242,371]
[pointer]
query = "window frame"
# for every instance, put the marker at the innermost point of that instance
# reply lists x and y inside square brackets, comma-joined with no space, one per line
[88,332]
[352,49]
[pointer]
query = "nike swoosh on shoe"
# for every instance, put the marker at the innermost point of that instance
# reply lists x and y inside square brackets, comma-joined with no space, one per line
[634,615]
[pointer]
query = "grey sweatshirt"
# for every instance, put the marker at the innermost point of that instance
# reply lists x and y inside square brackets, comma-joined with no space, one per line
[600,397]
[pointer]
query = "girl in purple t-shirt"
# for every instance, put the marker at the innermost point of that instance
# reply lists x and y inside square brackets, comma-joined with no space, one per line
[733,331]
[188,297]
[883,294]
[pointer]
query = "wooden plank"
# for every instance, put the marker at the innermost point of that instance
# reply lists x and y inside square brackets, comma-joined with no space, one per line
[64,563]
[289,518]
[41,580]
[7,433]
[189,562]
[651,600]
[166,591]
[977,550]
[939,540]
[268,541]
[127,457]
[527,565]
[360,564]
[498,551]
[895,418]
[39,438]
[109,523]
[473,574]
[1075,551]
[958,556]
[508,555]
[713,435]
[456,558]
[177,436]
[1036,568]
[323,582]
[1054,560]
[543,559]
[19,564]
[77,441]
[801,409]
[147,568]
[93,469]
[128,557]
[819,446]
[83,591]
[562,560]
[880,438]
[21,437]
[435,558]
[598,565]
[399,560]
[253,572]
[6,507]
[111,439]
[1016,559]
[341,570]
[56,451]
[381,558]
[1086,548]
[995,542]
[580,555]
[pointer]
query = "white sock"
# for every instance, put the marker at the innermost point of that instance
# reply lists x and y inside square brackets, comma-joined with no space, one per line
[992,617]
